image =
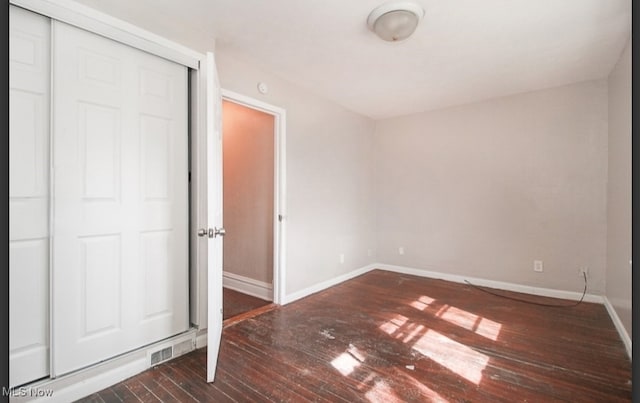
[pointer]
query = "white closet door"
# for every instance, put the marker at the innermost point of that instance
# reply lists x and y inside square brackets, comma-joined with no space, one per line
[29,60]
[120,263]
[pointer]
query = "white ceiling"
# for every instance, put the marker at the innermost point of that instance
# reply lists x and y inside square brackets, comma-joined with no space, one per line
[462,51]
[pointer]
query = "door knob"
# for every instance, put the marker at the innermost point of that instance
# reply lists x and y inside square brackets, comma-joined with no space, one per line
[212,233]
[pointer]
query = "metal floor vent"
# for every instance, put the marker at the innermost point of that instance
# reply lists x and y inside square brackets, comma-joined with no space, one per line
[161,355]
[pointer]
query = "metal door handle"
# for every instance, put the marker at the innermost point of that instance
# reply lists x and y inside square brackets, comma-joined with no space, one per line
[212,233]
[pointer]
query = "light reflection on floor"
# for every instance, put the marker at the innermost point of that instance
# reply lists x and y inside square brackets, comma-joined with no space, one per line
[453,355]
[457,357]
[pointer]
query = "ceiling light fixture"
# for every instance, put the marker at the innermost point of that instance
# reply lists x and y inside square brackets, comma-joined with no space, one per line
[396,20]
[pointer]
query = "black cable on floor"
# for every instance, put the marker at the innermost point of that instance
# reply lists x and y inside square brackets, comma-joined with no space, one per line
[584,292]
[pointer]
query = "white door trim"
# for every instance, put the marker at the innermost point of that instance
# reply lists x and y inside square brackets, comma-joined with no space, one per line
[279,225]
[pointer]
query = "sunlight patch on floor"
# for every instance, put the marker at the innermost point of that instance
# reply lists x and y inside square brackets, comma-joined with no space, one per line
[348,361]
[456,316]
[455,356]
[382,392]
[391,326]
[356,353]
[364,384]
[479,325]
[412,331]
[345,363]
[422,303]
[425,391]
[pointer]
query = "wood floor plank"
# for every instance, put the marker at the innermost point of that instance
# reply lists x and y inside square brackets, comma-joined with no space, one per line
[196,387]
[247,315]
[236,303]
[94,398]
[138,389]
[246,393]
[198,370]
[109,396]
[172,387]
[124,393]
[389,337]
[315,373]
[150,380]
[275,384]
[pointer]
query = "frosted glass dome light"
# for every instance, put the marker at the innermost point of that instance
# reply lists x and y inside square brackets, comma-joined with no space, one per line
[395,21]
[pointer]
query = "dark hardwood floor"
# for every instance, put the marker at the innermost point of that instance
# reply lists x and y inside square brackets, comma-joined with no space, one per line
[235,303]
[387,337]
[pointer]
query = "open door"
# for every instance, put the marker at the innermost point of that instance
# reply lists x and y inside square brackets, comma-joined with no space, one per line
[214,231]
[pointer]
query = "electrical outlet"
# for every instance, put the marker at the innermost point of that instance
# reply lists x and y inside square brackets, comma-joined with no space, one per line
[584,270]
[537,266]
[401,250]
[342,258]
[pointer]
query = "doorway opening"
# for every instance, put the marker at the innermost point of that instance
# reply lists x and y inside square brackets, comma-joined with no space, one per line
[252,140]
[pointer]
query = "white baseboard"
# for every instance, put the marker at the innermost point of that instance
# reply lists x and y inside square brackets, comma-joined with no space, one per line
[246,285]
[71,387]
[544,292]
[622,331]
[326,284]
[201,338]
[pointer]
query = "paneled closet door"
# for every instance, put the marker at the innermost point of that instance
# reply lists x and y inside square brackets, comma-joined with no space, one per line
[29,60]
[120,262]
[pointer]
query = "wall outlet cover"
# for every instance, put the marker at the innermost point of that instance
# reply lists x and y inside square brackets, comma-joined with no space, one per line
[537,266]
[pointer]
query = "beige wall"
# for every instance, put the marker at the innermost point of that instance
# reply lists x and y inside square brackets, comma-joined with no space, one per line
[328,157]
[619,190]
[248,158]
[479,190]
[484,189]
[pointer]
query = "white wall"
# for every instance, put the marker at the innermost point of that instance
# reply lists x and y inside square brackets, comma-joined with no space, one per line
[484,189]
[328,157]
[619,190]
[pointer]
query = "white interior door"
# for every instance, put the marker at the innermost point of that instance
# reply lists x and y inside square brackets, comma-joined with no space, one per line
[120,194]
[29,50]
[214,219]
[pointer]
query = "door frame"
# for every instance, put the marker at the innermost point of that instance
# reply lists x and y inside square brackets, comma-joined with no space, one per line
[279,180]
